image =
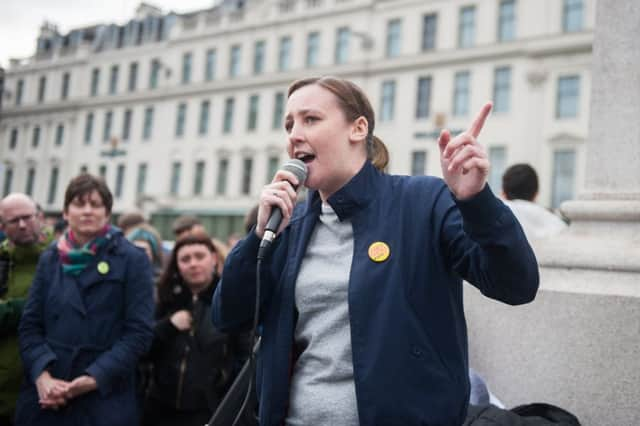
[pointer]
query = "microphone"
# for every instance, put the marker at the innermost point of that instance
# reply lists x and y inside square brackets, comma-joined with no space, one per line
[299,169]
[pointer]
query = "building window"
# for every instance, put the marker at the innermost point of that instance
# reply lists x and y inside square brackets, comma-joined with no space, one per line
[133,76]
[258,57]
[8,181]
[19,91]
[210,65]
[108,121]
[568,97]
[42,87]
[313,49]
[284,56]
[126,125]
[498,161]
[387,100]
[223,171]
[154,73]
[95,81]
[186,68]
[342,45]
[272,167]
[66,79]
[572,15]
[467,26]
[147,127]
[234,61]
[141,183]
[35,137]
[507,20]
[501,89]
[429,29]
[394,38]
[424,97]
[31,177]
[181,117]
[418,163]
[59,135]
[564,164]
[13,139]
[278,110]
[119,181]
[102,171]
[227,122]
[198,179]
[252,120]
[176,168]
[461,93]
[88,128]
[203,125]
[247,170]
[113,80]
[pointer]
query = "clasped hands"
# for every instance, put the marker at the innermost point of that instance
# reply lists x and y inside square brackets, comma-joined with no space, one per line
[55,393]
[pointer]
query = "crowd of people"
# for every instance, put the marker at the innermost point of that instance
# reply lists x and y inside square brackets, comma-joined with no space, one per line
[361,311]
[101,324]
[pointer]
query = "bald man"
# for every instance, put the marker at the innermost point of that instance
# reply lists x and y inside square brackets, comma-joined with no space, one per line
[19,255]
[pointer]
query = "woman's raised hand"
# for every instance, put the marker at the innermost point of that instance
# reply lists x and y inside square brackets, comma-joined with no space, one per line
[464,161]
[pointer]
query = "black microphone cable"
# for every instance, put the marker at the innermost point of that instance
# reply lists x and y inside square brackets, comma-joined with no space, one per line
[255,348]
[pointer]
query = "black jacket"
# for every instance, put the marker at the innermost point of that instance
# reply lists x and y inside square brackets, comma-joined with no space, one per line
[193,369]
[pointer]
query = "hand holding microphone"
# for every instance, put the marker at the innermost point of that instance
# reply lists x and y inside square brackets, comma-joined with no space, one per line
[277,201]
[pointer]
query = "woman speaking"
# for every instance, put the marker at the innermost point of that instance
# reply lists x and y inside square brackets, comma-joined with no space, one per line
[361,300]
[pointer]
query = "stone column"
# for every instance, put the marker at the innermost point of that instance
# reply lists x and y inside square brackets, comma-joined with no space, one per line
[578,344]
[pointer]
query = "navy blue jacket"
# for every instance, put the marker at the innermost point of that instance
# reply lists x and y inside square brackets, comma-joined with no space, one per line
[97,324]
[408,331]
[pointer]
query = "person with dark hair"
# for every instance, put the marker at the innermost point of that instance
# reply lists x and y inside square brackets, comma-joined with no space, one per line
[19,254]
[186,224]
[59,228]
[361,308]
[520,189]
[193,362]
[87,320]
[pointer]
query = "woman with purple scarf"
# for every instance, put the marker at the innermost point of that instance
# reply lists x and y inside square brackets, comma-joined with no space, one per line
[88,318]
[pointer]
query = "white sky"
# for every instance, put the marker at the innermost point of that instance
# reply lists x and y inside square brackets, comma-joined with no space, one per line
[20,20]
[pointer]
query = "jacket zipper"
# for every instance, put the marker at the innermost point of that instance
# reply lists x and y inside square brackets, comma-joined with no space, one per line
[183,368]
[183,363]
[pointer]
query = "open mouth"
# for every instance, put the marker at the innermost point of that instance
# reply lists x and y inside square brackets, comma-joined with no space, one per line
[306,158]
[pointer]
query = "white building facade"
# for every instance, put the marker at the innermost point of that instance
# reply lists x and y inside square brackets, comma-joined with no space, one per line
[183,113]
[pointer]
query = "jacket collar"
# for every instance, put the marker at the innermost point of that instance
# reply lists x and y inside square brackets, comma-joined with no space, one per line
[352,197]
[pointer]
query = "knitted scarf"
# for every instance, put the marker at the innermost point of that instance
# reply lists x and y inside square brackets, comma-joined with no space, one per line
[74,257]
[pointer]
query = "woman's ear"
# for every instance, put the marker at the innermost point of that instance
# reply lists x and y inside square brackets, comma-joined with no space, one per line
[359,130]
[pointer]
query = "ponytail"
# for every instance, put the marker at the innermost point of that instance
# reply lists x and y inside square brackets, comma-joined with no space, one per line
[377,153]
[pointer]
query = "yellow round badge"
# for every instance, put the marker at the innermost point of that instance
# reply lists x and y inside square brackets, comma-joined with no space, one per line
[103,267]
[379,251]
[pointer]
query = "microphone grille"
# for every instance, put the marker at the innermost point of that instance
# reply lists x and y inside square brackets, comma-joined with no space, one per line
[298,168]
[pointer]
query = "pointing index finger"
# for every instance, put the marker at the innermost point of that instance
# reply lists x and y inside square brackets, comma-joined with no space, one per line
[478,123]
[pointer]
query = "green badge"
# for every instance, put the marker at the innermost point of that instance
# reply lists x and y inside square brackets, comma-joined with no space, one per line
[103,267]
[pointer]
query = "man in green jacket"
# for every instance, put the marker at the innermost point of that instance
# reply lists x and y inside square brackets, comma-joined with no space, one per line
[19,255]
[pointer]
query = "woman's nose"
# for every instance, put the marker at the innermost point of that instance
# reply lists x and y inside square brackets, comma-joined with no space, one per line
[295,133]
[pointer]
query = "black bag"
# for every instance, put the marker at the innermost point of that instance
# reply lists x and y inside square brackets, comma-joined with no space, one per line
[538,414]
[232,402]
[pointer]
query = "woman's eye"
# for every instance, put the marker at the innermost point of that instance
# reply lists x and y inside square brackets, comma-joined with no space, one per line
[310,119]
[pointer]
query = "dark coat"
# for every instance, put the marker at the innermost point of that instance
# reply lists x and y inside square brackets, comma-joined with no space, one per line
[192,369]
[408,331]
[94,323]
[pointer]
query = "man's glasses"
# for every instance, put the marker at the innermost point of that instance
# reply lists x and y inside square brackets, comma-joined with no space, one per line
[16,220]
